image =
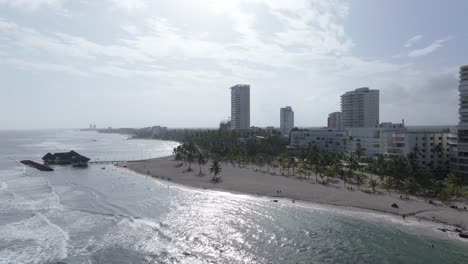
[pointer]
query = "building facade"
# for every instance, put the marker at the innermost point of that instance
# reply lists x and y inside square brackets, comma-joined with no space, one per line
[460,150]
[334,121]
[240,107]
[286,120]
[323,139]
[372,140]
[360,108]
[432,146]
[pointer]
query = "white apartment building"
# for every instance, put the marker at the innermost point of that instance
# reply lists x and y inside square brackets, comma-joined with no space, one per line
[373,140]
[387,139]
[433,145]
[360,108]
[286,120]
[460,150]
[240,107]
[324,139]
[334,121]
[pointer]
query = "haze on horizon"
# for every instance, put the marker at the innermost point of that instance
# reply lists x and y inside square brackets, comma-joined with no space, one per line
[139,63]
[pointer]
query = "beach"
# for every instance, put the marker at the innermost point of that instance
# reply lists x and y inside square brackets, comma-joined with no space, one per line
[262,183]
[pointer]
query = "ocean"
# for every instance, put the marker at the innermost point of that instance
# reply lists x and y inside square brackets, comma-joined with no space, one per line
[105,214]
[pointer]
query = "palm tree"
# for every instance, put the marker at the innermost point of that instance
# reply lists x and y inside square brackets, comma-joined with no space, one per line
[215,169]
[359,180]
[201,160]
[373,184]
[359,151]
[292,163]
[178,157]
[274,165]
[190,158]
[455,179]
[343,177]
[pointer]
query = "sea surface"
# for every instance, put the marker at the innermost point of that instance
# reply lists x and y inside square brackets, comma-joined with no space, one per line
[104,214]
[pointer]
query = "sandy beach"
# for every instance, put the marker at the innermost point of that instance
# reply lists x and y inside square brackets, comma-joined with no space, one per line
[250,181]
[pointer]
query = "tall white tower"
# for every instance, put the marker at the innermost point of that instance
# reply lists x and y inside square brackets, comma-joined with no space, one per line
[286,120]
[240,107]
[360,108]
[461,161]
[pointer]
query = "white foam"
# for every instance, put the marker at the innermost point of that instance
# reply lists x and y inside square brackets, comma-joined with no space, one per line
[36,240]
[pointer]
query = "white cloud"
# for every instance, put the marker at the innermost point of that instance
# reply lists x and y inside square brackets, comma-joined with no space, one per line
[429,49]
[410,42]
[6,25]
[30,4]
[41,66]
[129,5]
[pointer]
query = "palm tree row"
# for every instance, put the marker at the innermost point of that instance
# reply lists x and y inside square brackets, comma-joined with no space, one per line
[271,155]
[189,154]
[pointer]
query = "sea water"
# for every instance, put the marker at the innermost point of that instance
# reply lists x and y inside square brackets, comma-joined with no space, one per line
[105,214]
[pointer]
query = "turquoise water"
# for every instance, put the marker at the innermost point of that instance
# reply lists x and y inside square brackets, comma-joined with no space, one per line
[112,215]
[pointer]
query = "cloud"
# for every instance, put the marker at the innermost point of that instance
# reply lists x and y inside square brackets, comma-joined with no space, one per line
[30,4]
[6,25]
[311,41]
[429,49]
[40,66]
[410,42]
[129,5]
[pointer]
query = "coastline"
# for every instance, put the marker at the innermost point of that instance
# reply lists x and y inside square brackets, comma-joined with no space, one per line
[263,184]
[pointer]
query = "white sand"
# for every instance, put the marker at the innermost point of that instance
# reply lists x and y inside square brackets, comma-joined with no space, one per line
[246,180]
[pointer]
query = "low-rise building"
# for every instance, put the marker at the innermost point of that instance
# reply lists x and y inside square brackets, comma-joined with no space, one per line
[225,125]
[334,121]
[324,139]
[372,140]
[432,146]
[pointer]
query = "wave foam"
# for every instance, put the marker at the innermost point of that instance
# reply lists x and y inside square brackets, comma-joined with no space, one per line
[33,240]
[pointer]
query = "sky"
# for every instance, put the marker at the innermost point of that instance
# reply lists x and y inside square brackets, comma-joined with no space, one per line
[139,63]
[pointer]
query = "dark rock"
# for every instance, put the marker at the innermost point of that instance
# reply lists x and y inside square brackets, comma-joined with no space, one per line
[275,201]
[463,235]
[394,205]
[454,206]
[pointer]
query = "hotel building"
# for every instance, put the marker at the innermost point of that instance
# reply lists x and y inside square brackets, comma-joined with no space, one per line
[240,107]
[286,120]
[360,108]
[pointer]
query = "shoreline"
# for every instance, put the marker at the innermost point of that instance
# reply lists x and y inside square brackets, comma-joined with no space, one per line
[262,184]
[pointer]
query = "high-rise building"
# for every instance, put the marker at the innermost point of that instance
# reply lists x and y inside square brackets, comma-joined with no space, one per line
[286,120]
[334,121]
[460,161]
[240,107]
[360,108]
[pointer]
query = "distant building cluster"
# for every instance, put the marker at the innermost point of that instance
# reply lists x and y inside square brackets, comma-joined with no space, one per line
[358,125]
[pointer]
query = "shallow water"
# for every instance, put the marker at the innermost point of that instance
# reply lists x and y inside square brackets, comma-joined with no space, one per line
[112,215]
